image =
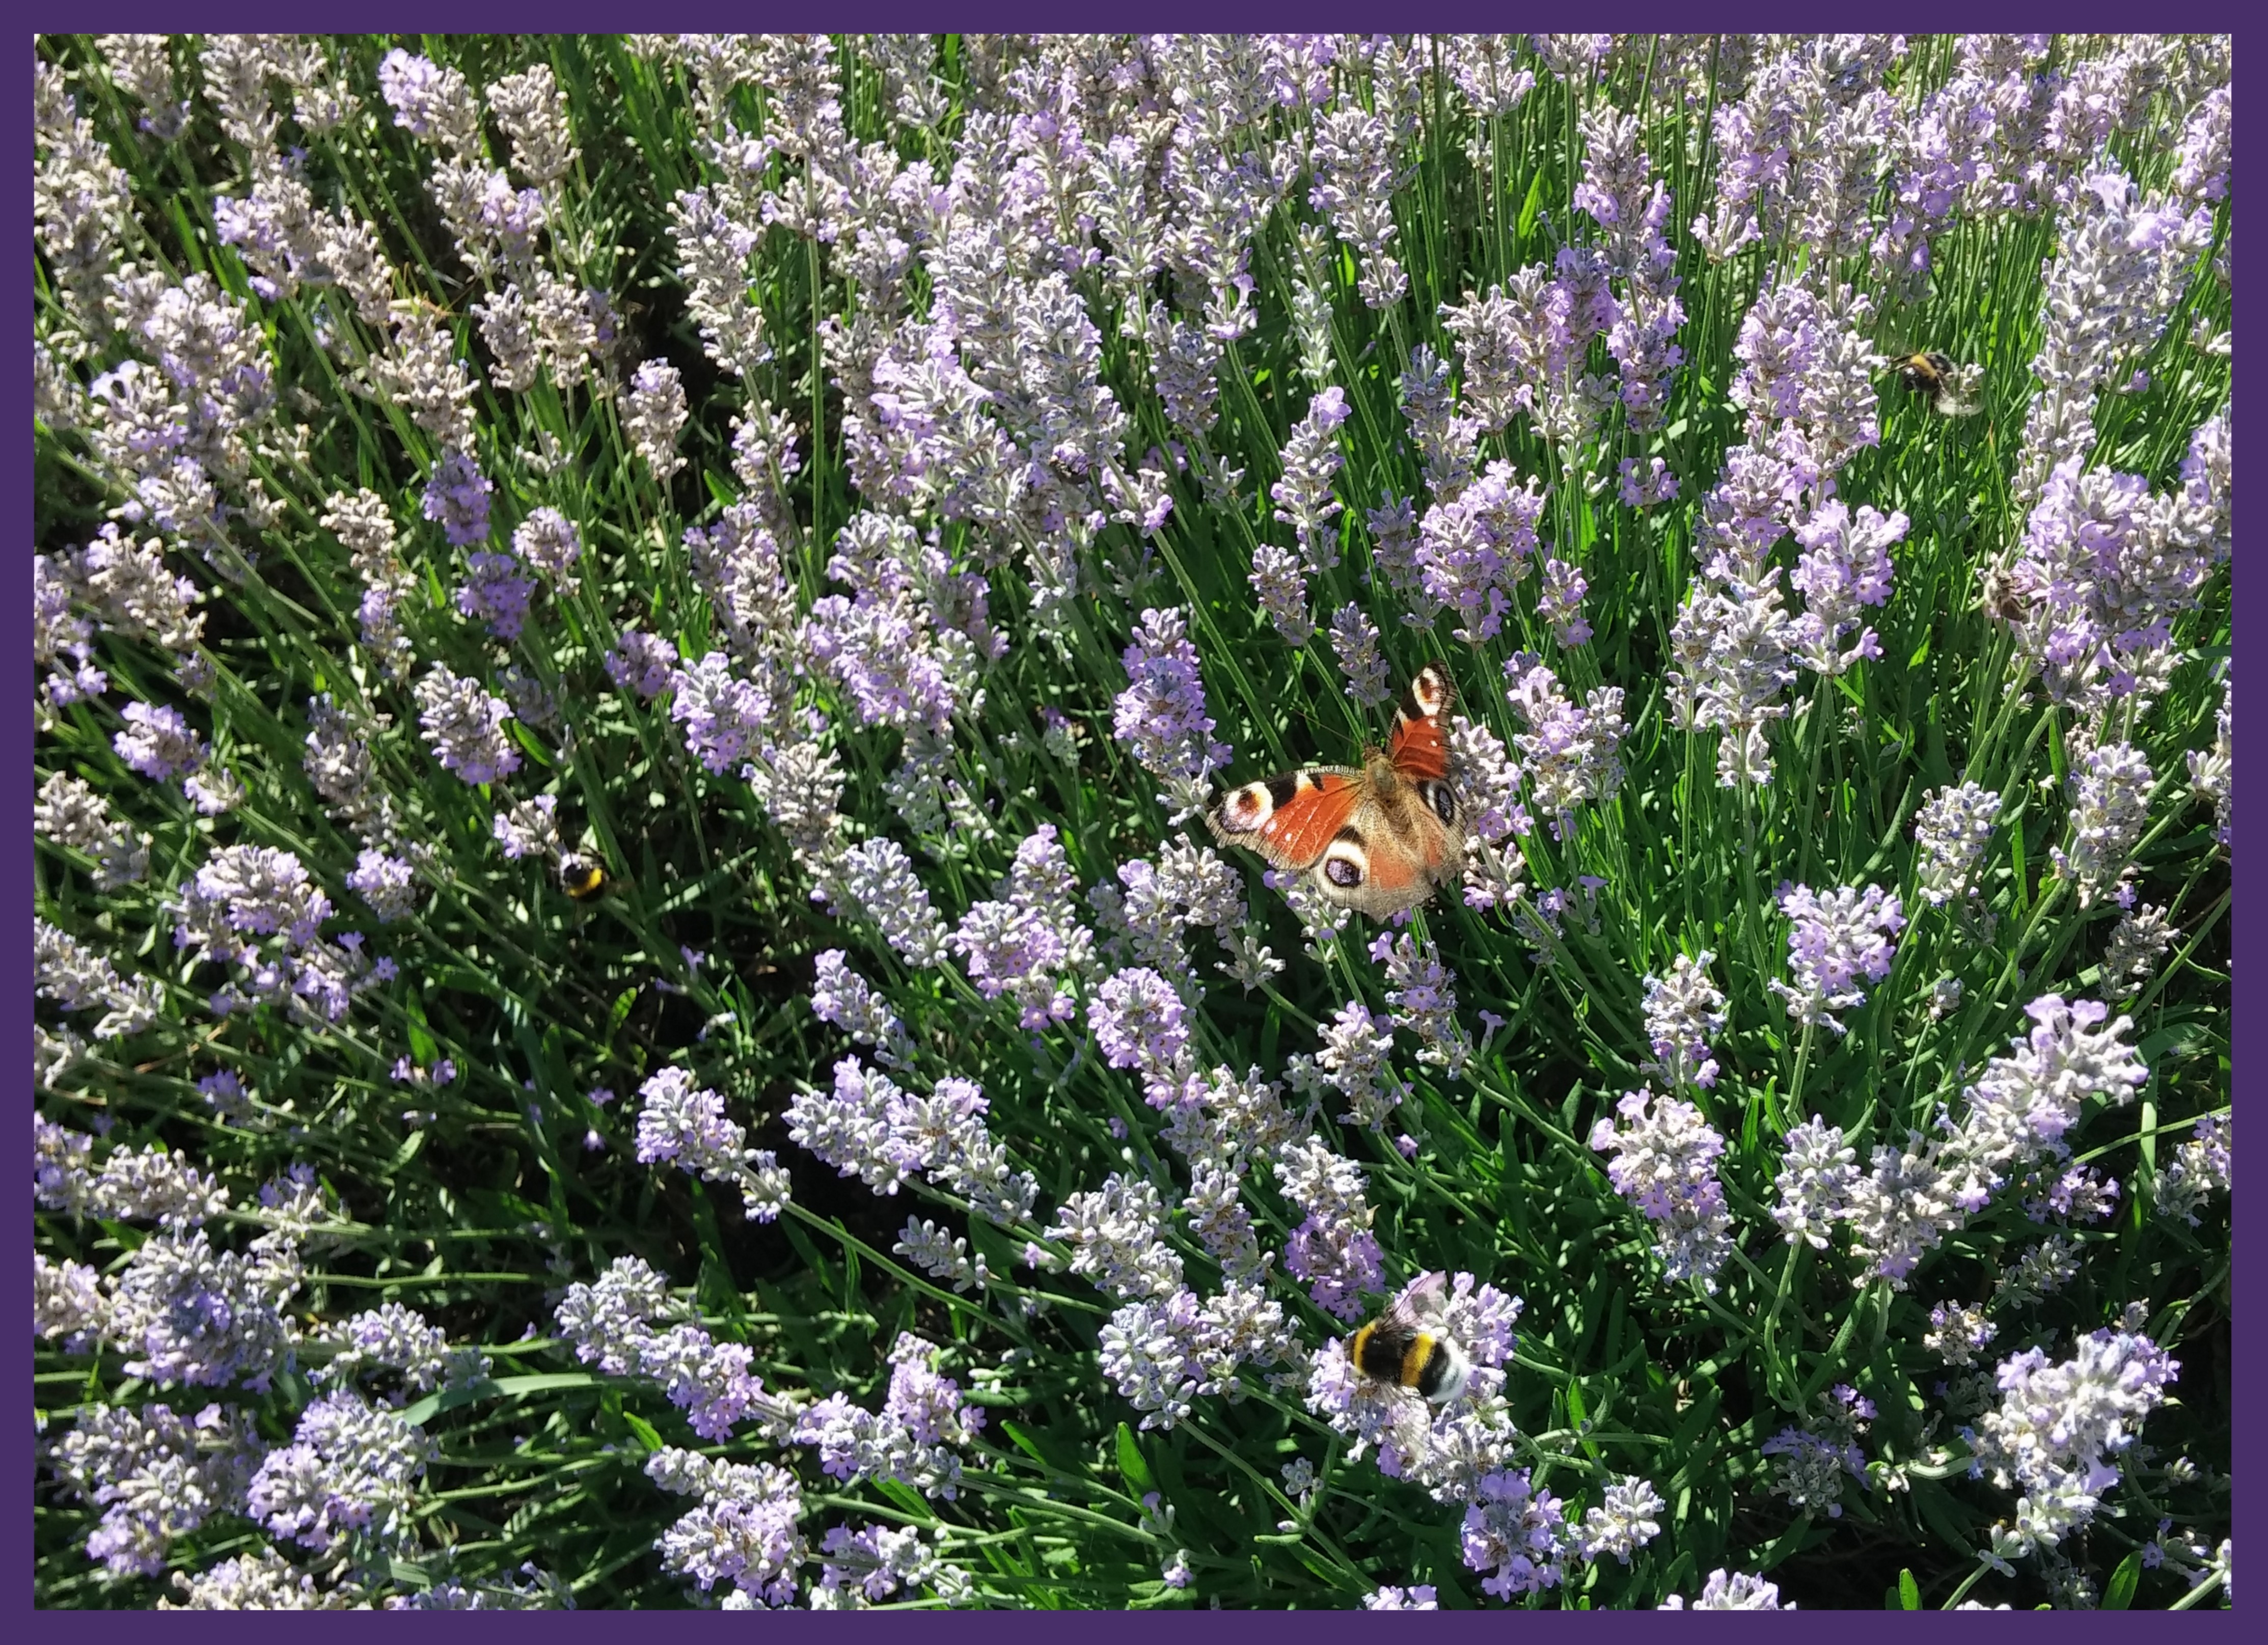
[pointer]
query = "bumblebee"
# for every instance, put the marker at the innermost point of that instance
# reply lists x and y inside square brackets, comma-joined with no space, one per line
[584,878]
[1997,596]
[1931,374]
[1407,1345]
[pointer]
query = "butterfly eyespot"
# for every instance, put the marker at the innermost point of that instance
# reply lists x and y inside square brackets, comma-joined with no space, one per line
[1444,801]
[1343,872]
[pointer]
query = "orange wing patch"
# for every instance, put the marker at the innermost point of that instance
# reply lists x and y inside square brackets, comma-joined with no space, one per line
[1302,827]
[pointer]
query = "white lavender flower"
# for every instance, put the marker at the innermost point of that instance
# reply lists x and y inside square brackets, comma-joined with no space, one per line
[2200,1166]
[1731,1590]
[1665,1163]
[1834,941]
[2059,1427]
[1623,1523]
[1683,1011]
[1951,830]
[2110,806]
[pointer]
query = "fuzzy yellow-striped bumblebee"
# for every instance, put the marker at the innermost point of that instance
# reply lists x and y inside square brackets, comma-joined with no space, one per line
[1934,374]
[1408,1345]
[585,879]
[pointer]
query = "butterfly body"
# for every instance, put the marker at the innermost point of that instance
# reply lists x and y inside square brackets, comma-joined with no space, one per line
[1379,837]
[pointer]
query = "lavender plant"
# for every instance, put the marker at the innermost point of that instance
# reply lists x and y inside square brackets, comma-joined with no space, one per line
[629,638]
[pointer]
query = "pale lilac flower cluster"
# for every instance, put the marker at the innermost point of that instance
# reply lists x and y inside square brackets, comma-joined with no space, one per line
[190,1316]
[840,995]
[743,1531]
[1731,1590]
[1420,990]
[1833,942]
[1623,1523]
[2110,807]
[1488,789]
[728,720]
[1116,1236]
[2121,264]
[875,877]
[157,1184]
[548,541]
[158,742]
[654,415]
[495,593]
[1730,642]
[529,828]
[1472,549]
[1683,1011]
[1810,1469]
[1845,564]
[1332,1249]
[2211,769]
[868,1127]
[1356,174]
[2058,1426]
[686,1125]
[464,726]
[76,978]
[1619,194]
[858,1568]
[396,1339]
[1521,348]
[258,891]
[915,1438]
[1570,755]
[1958,1332]
[1418,1597]
[1162,714]
[155,1475]
[1517,1533]
[609,1324]
[911,642]
[351,1469]
[2199,1167]
[1951,830]
[2105,568]
[642,662]
[1354,642]
[1356,1044]
[457,500]
[1027,944]
[1140,1023]
[1665,1164]
[2015,1114]
[1816,1178]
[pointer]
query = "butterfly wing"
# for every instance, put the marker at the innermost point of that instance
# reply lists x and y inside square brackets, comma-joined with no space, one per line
[1420,745]
[1290,820]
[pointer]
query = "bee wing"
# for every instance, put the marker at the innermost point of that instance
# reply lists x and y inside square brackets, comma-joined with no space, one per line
[1423,1304]
[1951,405]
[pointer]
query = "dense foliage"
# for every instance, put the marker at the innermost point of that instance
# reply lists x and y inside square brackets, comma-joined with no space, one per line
[634,1003]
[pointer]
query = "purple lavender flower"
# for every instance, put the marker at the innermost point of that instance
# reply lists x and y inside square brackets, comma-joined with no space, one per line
[1332,1248]
[1731,1590]
[1683,1010]
[727,720]
[1516,1532]
[1139,1022]
[1311,461]
[2058,1425]
[496,593]
[548,541]
[687,1126]
[1836,939]
[1472,549]
[464,726]
[1665,1164]
[158,742]
[1162,714]
[457,500]
[2110,807]
[877,878]
[1951,829]
[642,662]
[743,1531]
[1845,564]
[1028,942]
[1570,755]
